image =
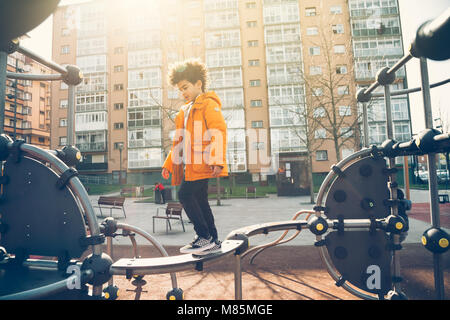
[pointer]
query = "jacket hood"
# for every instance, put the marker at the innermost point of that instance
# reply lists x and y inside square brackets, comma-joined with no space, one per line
[205,96]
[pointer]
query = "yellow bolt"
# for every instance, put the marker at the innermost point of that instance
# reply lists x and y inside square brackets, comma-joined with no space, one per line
[443,243]
[424,240]
[399,226]
[172,297]
[319,227]
[106,295]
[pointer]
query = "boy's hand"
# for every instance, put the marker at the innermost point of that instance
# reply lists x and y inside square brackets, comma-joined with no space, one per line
[216,170]
[165,173]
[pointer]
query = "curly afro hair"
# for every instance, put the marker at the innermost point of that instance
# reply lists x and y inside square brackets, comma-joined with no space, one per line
[191,70]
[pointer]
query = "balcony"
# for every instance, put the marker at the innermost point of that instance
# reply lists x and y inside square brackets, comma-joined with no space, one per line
[92,147]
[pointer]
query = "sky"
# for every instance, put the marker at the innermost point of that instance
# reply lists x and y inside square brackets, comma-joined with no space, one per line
[412,14]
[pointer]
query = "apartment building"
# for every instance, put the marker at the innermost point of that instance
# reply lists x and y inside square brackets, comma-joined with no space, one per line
[27,103]
[377,43]
[266,60]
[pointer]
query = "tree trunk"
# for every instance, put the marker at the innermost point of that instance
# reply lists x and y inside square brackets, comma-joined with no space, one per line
[311,181]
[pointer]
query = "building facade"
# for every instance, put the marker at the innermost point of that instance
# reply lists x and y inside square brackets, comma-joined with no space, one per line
[377,43]
[285,70]
[27,103]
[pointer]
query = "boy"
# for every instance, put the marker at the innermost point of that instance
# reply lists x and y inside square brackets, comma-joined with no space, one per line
[198,152]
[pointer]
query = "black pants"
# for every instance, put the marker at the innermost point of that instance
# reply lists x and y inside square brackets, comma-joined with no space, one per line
[193,196]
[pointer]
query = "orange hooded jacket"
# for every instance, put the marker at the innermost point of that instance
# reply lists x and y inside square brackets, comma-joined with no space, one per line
[205,140]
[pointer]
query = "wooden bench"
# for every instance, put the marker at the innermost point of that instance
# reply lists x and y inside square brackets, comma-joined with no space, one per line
[173,211]
[112,203]
[127,191]
[215,189]
[443,198]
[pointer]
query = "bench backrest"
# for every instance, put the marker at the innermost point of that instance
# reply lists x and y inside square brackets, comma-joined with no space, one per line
[174,208]
[111,200]
[251,189]
[215,189]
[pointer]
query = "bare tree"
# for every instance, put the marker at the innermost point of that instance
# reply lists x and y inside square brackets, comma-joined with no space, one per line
[329,89]
[329,111]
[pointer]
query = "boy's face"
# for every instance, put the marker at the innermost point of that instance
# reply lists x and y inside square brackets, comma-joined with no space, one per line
[189,90]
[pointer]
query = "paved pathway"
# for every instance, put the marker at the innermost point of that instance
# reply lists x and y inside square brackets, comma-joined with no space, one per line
[237,213]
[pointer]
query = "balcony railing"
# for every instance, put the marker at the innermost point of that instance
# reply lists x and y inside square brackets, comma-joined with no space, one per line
[92,147]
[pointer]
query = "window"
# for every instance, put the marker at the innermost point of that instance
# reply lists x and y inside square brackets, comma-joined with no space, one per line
[91,46]
[223,39]
[341,69]
[345,111]
[315,70]
[144,117]
[339,48]
[346,132]
[118,50]
[250,5]
[92,63]
[225,57]
[314,51]
[62,122]
[281,12]
[231,97]
[62,141]
[65,49]
[402,132]
[310,12]
[118,125]
[321,155]
[257,124]
[63,103]
[312,31]
[225,77]
[253,63]
[195,41]
[118,87]
[253,43]
[399,109]
[144,58]
[337,28]
[336,10]
[251,24]
[118,106]
[342,90]
[319,112]
[65,32]
[256,103]
[144,78]
[384,46]
[118,68]
[347,152]
[92,101]
[320,133]
[317,92]
[255,83]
